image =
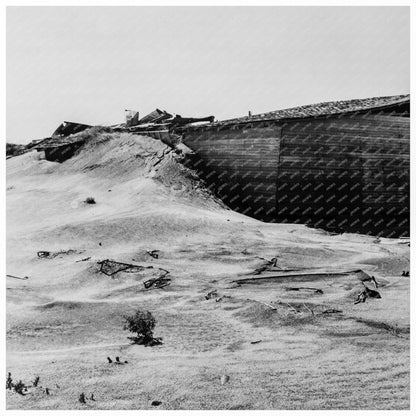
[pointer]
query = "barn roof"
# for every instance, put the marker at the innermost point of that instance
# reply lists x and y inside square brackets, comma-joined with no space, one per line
[69,127]
[325,108]
[57,141]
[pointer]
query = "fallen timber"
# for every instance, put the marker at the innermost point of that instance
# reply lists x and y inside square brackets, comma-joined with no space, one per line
[17,277]
[304,273]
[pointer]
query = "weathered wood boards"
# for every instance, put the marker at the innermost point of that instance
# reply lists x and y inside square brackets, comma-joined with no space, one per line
[240,166]
[351,172]
[345,172]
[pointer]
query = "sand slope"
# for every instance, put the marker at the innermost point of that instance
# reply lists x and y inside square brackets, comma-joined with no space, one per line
[66,318]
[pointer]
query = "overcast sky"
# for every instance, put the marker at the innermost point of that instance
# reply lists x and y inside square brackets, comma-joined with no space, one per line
[88,64]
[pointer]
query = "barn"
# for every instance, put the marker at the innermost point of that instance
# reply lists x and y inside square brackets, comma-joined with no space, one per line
[342,166]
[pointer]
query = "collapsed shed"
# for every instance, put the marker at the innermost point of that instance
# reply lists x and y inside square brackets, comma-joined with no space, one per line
[159,124]
[59,149]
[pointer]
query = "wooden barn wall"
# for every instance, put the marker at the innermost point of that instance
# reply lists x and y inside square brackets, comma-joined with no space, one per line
[349,172]
[342,173]
[239,165]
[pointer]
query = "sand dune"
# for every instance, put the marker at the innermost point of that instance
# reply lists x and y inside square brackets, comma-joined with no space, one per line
[66,318]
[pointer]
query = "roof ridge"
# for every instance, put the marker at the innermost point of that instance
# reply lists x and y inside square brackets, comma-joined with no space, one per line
[327,107]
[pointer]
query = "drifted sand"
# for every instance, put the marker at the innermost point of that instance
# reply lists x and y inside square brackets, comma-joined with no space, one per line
[66,318]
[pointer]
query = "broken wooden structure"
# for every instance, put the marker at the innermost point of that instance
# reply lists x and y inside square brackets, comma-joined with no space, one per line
[67,128]
[340,165]
[112,267]
[159,124]
[63,143]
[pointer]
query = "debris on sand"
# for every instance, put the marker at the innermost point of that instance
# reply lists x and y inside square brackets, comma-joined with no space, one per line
[256,342]
[153,342]
[36,381]
[117,361]
[156,403]
[280,302]
[16,277]
[85,259]
[309,309]
[365,277]
[366,293]
[314,289]
[300,273]
[157,282]
[329,311]
[82,398]
[269,264]
[224,379]
[211,295]
[373,279]
[214,295]
[153,253]
[111,267]
[405,273]
[50,255]
[264,303]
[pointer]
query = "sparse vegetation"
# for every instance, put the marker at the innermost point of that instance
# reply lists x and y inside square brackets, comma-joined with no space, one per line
[9,381]
[20,387]
[141,323]
[311,355]
[90,200]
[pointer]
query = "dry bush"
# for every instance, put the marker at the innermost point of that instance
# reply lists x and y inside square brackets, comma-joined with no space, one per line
[20,387]
[141,323]
[90,200]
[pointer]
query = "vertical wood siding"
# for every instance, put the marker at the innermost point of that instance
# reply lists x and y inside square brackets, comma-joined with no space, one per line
[348,172]
[240,166]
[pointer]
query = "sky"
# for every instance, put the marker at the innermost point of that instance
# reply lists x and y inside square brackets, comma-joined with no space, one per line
[89,64]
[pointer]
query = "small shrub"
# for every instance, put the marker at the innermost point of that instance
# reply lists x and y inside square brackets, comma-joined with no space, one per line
[141,323]
[19,387]
[90,200]
[9,381]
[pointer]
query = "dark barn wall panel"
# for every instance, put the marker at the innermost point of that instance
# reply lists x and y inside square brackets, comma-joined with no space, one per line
[240,165]
[61,153]
[349,172]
